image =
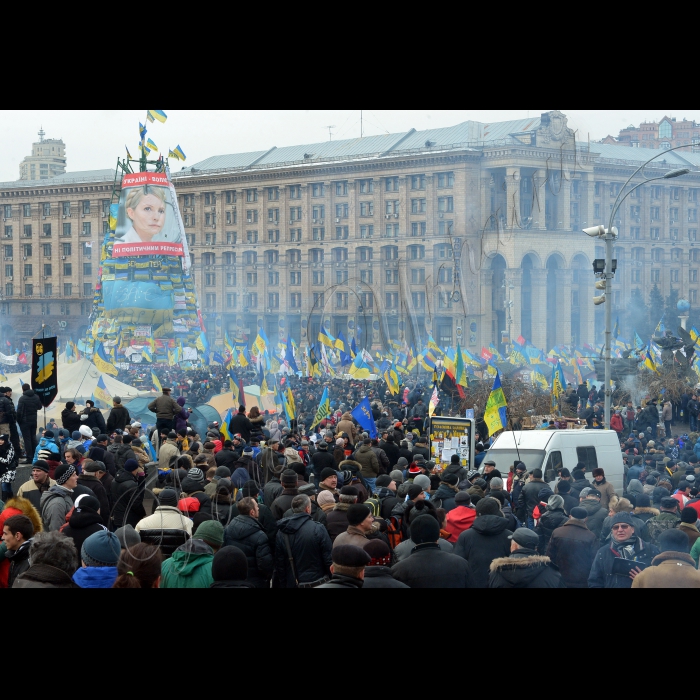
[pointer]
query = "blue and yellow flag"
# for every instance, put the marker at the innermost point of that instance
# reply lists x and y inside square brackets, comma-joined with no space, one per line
[359,369]
[392,380]
[179,153]
[142,132]
[146,354]
[158,114]
[324,408]
[224,429]
[495,415]
[102,362]
[289,405]
[649,361]
[538,379]
[101,395]
[362,413]
[156,382]
[558,383]
[326,338]
[150,144]
[128,155]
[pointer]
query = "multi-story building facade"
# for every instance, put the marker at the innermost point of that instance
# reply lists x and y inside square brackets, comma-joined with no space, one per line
[666,133]
[48,159]
[462,232]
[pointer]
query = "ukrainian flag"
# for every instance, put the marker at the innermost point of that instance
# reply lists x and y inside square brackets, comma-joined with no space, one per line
[460,373]
[289,405]
[649,361]
[101,361]
[146,354]
[392,381]
[179,153]
[224,430]
[128,155]
[151,145]
[359,369]
[495,415]
[324,408]
[538,379]
[158,114]
[326,338]
[156,382]
[101,396]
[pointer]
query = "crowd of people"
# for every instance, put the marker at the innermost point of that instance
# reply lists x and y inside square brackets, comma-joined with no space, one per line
[111,503]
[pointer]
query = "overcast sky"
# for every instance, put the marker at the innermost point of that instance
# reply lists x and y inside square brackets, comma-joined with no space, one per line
[94,139]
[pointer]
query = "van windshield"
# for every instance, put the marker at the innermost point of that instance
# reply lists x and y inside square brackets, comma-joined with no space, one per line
[506,458]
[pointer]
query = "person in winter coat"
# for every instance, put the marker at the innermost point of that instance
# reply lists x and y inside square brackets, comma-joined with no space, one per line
[620,505]
[70,418]
[553,518]
[378,571]
[302,549]
[486,540]
[124,452]
[337,519]
[590,501]
[222,501]
[392,452]
[190,566]
[257,420]
[92,417]
[572,549]
[444,496]
[564,490]
[240,424]
[346,425]
[47,449]
[348,567]
[625,545]
[616,423]
[369,463]
[166,408]
[428,566]
[118,417]
[461,517]
[529,498]
[322,458]
[182,416]
[84,521]
[8,465]
[91,478]
[57,501]
[28,406]
[53,562]
[579,480]
[606,489]
[673,567]
[524,568]
[167,451]
[246,533]
[17,532]
[283,502]
[127,495]
[667,519]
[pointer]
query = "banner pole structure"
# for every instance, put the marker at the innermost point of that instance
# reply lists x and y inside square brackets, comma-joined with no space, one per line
[43,332]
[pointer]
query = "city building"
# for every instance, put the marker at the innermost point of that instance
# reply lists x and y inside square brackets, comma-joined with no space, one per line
[666,133]
[48,159]
[463,232]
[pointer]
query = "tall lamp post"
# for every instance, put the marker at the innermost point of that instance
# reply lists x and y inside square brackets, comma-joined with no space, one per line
[609,235]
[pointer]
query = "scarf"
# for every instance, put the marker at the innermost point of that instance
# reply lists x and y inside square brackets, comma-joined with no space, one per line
[626,549]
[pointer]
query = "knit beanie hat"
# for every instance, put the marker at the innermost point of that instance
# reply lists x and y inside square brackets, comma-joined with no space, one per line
[689,515]
[642,501]
[425,528]
[326,473]
[101,549]
[127,536]
[290,478]
[197,474]
[379,552]
[229,564]
[325,498]
[357,513]
[212,532]
[250,489]
[168,497]
[382,480]
[41,464]
[423,481]
[397,476]
[131,465]
[63,473]
[488,506]
[555,502]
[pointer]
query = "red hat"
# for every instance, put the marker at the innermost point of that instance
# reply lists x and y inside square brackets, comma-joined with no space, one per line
[188,505]
[414,469]
[398,424]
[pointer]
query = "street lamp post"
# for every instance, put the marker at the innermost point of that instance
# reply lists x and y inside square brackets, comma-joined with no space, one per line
[609,235]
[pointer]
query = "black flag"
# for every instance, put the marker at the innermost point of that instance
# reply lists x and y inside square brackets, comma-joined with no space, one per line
[44,370]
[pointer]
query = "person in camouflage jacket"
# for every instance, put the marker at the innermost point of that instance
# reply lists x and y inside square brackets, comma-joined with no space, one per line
[667,519]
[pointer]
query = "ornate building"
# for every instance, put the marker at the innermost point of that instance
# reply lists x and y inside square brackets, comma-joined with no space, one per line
[48,159]
[666,133]
[463,232]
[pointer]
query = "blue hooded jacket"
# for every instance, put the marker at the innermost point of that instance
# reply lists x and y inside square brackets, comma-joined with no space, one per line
[95,576]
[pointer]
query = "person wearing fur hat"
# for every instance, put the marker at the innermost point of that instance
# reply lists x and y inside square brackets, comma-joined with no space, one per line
[92,417]
[524,568]
[337,519]
[615,563]
[99,556]
[127,492]
[673,567]
[667,518]
[606,489]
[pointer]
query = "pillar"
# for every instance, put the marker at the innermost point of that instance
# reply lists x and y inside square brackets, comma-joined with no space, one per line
[513,198]
[539,308]
[563,301]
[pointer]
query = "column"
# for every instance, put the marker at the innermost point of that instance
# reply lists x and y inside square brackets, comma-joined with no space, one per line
[539,188]
[564,203]
[563,332]
[539,308]
[514,277]
[484,335]
[513,198]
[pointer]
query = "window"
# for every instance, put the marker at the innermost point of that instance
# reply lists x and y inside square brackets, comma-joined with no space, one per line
[366,186]
[210,239]
[444,251]
[656,255]
[48,270]
[665,132]
[635,233]
[68,269]
[231,300]
[341,233]
[341,300]
[366,209]
[673,214]
[674,234]
[655,275]
[295,213]
[273,215]
[418,206]
[295,234]
[444,300]
[231,237]
[342,211]
[209,259]
[190,239]
[251,216]
[692,195]
[250,258]
[272,257]
[318,234]
[251,236]
[273,278]
[391,252]
[66,229]
[231,279]
[446,204]
[674,275]
[367,300]
[27,247]
[46,250]
[27,230]
[317,255]
[86,207]
[273,236]
[391,206]
[418,228]
[318,212]
[367,276]
[9,270]
[693,296]
[418,276]
[596,211]
[87,269]
[273,193]
[341,188]
[87,228]
[231,197]
[654,234]
[340,254]
[418,299]
[8,251]
[391,184]
[105,227]
[46,209]
[655,192]
[294,256]
[9,289]
[318,278]
[692,215]
[251,278]
[251,195]
[417,182]
[445,275]
[209,198]
[295,279]
[253,300]
[365,254]
[416,252]
[210,279]
[446,180]
[231,217]
[28,290]
[636,276]
[67,289]
[366,231]
[392,300]
[588,456]
[8,231]
[445,227]
[635,211]
[295,192]
[207,219]
[391,231]
[27,269]
[318,190]
[210,300]
[27,209]
[692,234]
[7,211]
[87,289]
[319,299]
[391,276]
[295,300]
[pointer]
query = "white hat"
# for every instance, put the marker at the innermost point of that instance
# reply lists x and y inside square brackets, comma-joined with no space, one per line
[85,431]
[136,425]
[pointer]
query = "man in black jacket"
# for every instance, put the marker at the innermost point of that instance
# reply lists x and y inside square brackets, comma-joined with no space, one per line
[226,457]
[391,449]
[17,534]
[28,406]
[321,459]
[428,566]
[246,533]
[8,420]
[94,419]
[118,416]
[348,567]
[241,424]
[302,549]
[529,497]
[127,495]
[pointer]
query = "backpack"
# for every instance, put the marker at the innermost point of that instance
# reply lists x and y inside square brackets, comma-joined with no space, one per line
[374,506]
[394,531]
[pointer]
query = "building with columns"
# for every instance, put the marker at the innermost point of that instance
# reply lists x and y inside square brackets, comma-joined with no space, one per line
[462,232]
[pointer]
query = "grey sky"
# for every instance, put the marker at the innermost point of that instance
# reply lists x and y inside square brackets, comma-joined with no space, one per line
[94,139]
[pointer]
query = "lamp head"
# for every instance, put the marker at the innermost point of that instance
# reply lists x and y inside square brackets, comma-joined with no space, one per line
[676,173]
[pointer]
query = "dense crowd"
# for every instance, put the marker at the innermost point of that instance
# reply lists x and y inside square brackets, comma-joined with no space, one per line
[114,504]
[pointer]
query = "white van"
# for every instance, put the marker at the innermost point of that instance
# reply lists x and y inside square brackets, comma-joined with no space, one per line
[550,449]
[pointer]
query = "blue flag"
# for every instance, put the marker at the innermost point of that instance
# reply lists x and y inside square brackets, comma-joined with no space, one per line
[289,355]
[363,415]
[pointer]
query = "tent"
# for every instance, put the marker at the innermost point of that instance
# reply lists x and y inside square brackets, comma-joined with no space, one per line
[77,381]
[222,402]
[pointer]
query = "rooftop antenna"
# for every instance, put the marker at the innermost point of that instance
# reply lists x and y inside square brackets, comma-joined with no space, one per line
[329,127]
[42,133]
